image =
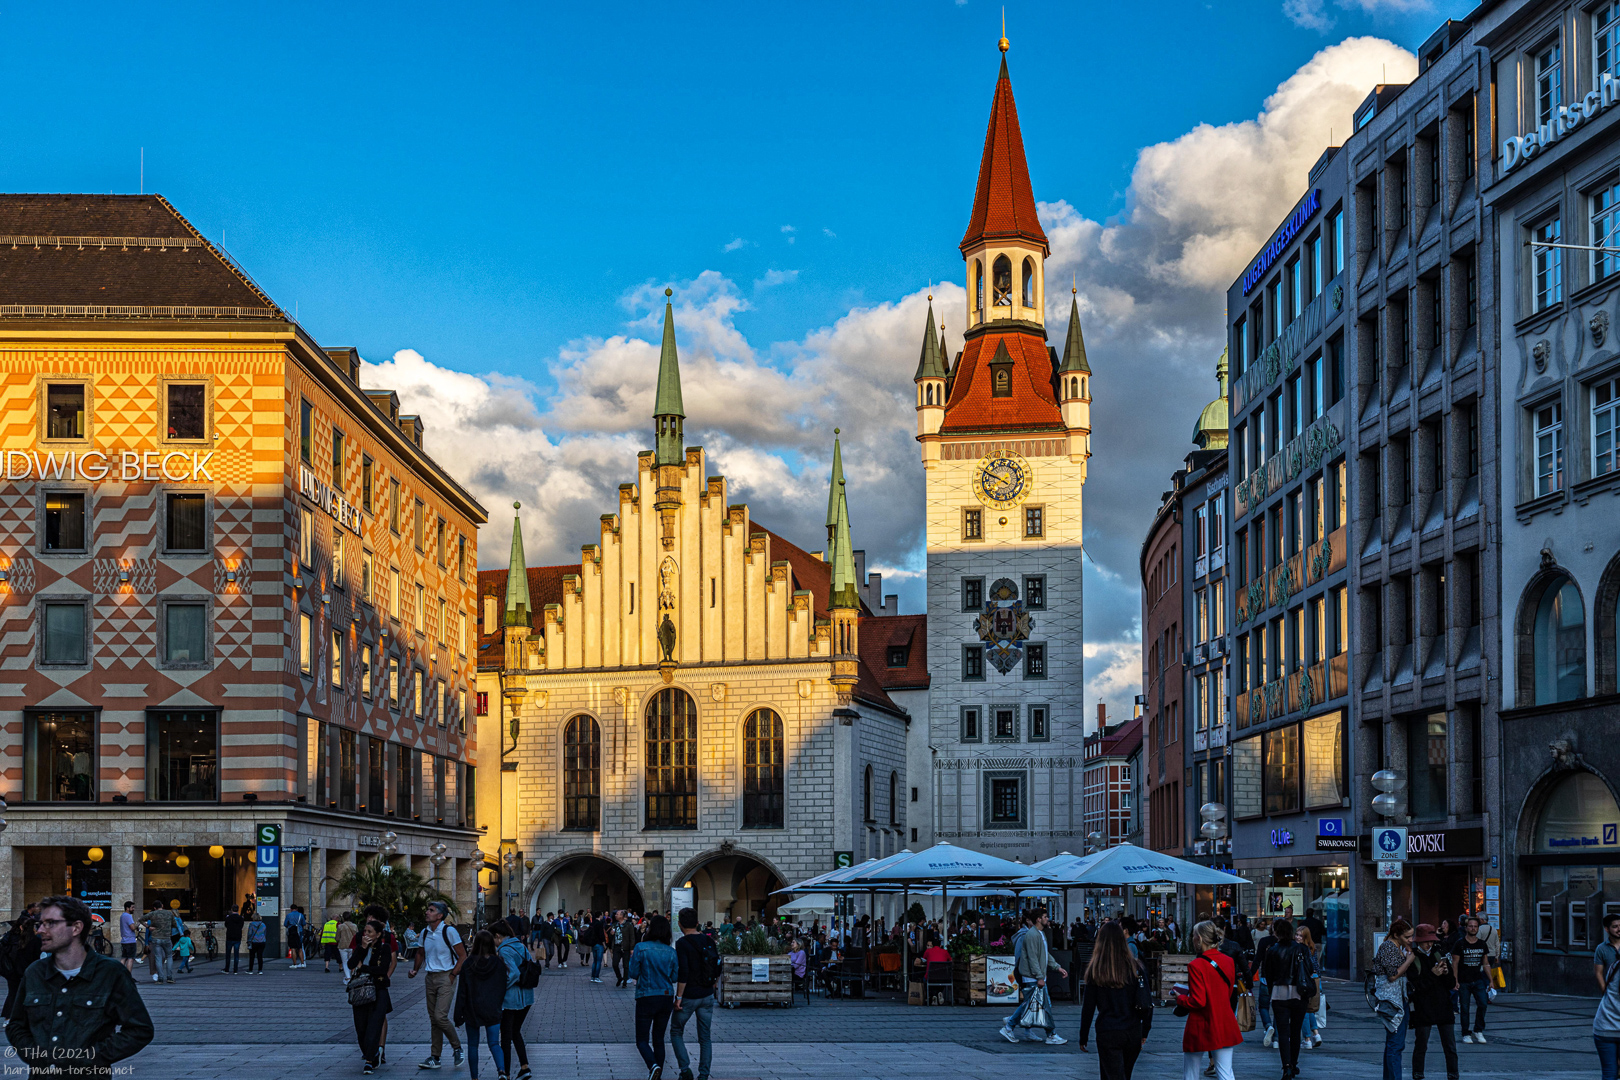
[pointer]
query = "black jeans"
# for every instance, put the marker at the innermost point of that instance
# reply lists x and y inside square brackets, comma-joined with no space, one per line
[621,967]
[1290,1016]
[256,952]
[652,1017]
[233,951]
[512,1036]
[368,1022]
[1117,1052]
[1448,1046]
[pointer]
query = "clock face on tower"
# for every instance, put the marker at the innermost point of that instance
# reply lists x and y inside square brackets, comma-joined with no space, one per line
[1002,479]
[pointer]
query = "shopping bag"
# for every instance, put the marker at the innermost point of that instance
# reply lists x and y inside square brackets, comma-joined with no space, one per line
[1038,1012]
[1321,1014]
[1498,978]
[1245,1010]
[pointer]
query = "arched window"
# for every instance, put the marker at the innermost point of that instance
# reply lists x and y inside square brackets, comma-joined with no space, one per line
[894,798]
[671,761]
[582,774]
[1559,643]
[764,763]
[1001,282]
[1606,630]
[1082,386]
[978,286]
[866,796]
[1029,282]
[930,393]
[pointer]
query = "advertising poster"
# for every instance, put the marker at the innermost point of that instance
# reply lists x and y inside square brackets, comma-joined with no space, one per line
[1284,902]
[678,899]
[761,969]
[1001,985]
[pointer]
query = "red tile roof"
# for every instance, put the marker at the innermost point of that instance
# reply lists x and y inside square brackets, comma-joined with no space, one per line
[545,587]
[1003,204]
[880,633]
[1032,405]
[809,572]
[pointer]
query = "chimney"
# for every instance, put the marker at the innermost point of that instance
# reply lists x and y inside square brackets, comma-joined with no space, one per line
[1102,718]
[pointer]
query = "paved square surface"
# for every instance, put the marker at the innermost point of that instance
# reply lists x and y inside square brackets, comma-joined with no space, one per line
[289,1023]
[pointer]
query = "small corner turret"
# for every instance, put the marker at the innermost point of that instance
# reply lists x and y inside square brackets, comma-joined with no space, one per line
[669,421]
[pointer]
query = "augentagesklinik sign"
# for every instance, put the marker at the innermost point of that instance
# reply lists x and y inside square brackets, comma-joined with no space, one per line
[1285,235]
[1517,149]
[175,466]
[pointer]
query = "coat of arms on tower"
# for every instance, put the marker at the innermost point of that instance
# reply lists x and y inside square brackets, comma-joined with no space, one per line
[1004,626]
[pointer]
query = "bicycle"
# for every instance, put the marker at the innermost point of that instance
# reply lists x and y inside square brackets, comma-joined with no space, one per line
[209,941]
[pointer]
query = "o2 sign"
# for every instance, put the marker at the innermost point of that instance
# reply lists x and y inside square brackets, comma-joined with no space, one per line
[1282,838]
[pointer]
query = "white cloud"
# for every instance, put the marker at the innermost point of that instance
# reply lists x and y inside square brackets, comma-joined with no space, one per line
[1152,290]
[829,232]
[739,242]
[788,231]
[1313,14]
[773,278]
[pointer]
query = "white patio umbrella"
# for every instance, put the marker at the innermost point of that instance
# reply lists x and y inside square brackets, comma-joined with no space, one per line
[1127,864]
[805,905]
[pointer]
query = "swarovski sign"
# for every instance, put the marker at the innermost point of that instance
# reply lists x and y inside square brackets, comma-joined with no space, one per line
[1517,149]
[174,466]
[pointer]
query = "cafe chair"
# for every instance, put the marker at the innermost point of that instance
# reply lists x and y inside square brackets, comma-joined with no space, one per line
[939,975]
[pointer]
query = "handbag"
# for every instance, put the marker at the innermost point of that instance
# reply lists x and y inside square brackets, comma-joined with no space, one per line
[1038,1012]
[362,991]
[1245,1010]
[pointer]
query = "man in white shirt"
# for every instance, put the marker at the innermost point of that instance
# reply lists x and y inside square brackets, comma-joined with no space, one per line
[441,952]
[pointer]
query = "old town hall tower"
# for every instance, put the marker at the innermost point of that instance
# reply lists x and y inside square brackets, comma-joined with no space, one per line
[1005,433]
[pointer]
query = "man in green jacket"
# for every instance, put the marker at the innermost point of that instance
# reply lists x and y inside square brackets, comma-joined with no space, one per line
[78,1011]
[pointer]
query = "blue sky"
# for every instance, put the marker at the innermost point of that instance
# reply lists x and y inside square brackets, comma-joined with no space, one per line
[482,182]
[488,200]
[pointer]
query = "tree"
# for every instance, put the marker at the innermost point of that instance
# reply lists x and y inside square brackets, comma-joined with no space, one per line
[404,893]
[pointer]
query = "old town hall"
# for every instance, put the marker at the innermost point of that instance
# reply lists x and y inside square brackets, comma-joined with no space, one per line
[701,703]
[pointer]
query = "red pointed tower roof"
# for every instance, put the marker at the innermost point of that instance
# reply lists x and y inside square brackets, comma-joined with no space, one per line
[1003,204]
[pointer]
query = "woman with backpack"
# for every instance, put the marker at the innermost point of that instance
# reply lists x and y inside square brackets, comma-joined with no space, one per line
[518,999]
[655,968]
[1118,998]
[1288,970]
[1206,1002]
[479,999]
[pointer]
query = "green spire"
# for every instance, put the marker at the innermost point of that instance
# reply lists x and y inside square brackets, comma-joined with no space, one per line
[844,592]
[517,576]
[667,410]
[834,488]
[929,363]
[1074,349]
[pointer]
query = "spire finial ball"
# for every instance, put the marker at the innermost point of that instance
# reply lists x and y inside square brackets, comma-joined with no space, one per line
[837,430]
[669,292]
[1003,45]
[517,506]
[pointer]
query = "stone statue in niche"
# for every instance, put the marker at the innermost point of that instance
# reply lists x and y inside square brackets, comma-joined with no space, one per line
[666,639]
[666,585]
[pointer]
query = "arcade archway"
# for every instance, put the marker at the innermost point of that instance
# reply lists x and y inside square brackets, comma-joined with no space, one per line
[585,882]
[732,886]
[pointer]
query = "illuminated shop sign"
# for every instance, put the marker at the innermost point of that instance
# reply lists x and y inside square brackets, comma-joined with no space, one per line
[1279,243]
[329,499]
[1517,149]
[175,466]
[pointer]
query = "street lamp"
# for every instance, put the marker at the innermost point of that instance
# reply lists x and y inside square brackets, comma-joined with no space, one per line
[1388,804]
[439,858]
[509,862]
[387,849]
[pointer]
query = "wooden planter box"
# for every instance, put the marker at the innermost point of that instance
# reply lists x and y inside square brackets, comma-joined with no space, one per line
[1172,970]
[969,978]
[737,985]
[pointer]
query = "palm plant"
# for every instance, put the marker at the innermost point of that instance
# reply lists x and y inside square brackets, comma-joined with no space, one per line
[404,893]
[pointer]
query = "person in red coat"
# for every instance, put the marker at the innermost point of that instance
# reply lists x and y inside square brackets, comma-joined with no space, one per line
[1207,999]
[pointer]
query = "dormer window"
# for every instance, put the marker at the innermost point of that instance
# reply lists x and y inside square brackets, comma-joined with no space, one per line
[1002,384]
[1001,281]
[1029,283]
[899,655]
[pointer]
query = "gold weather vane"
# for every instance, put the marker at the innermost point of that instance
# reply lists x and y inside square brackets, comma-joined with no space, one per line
[1002,44]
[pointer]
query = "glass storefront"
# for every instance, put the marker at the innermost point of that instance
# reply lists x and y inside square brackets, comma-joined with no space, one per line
[1570,889]
[204,885]
[1301,892]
